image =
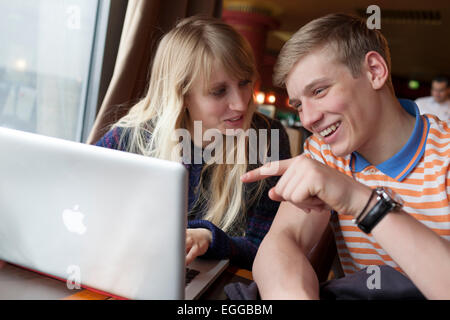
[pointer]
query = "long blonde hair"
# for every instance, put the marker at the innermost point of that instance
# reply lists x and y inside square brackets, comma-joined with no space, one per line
[186,52]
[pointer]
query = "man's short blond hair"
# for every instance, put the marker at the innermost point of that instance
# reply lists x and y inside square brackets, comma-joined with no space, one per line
[348,36]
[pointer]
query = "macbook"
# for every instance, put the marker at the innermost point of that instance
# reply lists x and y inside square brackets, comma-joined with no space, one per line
[97,218]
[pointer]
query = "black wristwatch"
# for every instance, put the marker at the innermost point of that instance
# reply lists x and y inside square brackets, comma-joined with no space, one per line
[387,201]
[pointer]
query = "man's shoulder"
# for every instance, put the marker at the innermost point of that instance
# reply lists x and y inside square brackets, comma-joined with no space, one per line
[437,141]
[440,130]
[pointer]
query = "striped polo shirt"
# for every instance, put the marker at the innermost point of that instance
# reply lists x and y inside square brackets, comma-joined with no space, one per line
[418,173]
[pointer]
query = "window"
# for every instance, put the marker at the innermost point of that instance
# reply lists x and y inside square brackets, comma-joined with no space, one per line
[45,64]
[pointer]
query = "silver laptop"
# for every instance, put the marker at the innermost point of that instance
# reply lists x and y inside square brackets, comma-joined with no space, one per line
[99,218]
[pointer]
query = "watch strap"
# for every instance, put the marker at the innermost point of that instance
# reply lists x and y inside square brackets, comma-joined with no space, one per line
[376,213]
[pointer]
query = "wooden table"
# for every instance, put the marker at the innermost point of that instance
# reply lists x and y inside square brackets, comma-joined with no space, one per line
[19,284]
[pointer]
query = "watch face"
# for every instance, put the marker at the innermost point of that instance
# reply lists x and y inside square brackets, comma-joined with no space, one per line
[393,196]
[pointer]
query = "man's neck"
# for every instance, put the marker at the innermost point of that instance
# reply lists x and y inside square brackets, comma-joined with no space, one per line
[395,126]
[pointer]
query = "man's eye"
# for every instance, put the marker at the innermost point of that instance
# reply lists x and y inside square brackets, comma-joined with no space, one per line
[297,106]
[318,91]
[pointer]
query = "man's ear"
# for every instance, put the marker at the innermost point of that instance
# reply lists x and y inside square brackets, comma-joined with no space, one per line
[376,69]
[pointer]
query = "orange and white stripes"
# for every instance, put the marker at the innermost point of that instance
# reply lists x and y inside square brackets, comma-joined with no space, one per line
[425,191]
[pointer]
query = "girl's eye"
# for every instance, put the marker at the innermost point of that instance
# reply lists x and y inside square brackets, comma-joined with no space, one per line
[219,92]
[244,83]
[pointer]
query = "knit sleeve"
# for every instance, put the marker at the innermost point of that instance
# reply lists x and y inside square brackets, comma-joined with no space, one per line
[242,250]
[111,140]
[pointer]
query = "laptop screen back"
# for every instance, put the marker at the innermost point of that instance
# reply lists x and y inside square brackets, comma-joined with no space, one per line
[112,220]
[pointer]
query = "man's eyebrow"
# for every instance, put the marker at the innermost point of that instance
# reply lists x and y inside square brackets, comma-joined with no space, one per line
[313,83]
[307,88]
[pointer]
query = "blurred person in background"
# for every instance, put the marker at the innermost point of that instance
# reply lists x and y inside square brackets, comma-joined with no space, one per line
[438,103]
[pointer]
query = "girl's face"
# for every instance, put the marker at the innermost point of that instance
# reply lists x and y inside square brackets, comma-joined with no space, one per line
[224,105]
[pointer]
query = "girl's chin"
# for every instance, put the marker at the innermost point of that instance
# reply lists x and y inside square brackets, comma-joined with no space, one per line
[234,131]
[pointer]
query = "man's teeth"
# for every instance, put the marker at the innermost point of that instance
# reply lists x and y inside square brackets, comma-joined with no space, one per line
[329,130]
[235,119]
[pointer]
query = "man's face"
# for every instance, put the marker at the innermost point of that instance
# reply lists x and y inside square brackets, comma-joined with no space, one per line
[331,103]
[439,91]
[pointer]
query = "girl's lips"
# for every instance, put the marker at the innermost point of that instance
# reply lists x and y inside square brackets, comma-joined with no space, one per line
[236,118]
[235,122]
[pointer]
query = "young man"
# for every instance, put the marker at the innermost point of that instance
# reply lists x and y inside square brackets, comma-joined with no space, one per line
[438,103]
[337,75]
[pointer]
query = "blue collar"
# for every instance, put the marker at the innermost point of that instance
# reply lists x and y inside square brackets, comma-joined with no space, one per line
[402,163]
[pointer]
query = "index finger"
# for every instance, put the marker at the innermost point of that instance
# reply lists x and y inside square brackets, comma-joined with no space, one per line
[275,168]
[192,254]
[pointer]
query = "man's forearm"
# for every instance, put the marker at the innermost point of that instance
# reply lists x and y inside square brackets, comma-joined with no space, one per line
[282,271]
[421,253]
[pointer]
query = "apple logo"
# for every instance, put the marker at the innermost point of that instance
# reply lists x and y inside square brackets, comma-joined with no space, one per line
[73,220]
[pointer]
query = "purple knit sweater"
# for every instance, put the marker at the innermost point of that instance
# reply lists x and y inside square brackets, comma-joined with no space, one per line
[241,250]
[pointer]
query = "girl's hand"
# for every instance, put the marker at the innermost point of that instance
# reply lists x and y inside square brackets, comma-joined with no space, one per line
[197,243]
